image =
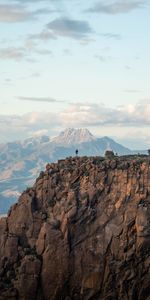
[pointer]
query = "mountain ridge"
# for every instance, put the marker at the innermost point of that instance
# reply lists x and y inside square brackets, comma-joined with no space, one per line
[21,162]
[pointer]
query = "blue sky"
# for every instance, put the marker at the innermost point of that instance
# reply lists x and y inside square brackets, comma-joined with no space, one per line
[75,64]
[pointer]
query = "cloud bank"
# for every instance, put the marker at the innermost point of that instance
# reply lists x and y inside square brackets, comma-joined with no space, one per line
[77,115]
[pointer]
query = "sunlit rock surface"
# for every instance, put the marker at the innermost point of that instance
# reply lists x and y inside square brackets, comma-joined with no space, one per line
[81,232]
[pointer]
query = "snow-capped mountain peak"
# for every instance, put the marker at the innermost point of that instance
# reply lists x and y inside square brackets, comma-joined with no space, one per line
[73,136]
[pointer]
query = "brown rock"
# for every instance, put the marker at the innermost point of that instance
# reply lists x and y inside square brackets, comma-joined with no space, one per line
[82,232]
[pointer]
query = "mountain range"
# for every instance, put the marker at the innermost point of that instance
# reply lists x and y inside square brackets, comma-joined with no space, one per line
[22,161]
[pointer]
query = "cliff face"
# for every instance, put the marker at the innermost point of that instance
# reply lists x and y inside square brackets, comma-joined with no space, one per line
[81,232]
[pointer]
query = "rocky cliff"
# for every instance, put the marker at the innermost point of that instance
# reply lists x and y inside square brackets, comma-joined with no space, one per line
[81,232]
[21,161]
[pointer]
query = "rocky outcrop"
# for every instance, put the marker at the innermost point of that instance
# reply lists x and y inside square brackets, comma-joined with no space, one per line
[81,232]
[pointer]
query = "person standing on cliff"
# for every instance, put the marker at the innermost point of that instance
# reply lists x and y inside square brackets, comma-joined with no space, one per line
[77,151]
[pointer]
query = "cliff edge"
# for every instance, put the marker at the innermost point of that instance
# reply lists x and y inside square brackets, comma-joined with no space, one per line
[82,232]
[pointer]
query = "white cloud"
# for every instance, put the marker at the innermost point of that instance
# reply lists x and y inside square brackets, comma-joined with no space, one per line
[39,132]
[14,127]
[130,115]
[77,115]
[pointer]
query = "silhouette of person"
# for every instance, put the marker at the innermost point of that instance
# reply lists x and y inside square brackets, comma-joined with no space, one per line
[77,152]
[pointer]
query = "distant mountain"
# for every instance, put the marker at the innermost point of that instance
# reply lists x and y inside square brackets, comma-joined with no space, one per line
[73,136]
[21,162]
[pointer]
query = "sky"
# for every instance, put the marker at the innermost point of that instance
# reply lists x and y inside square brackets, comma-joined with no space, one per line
[81,64]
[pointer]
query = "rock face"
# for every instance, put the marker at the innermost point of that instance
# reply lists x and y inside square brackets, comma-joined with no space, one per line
[81,232]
